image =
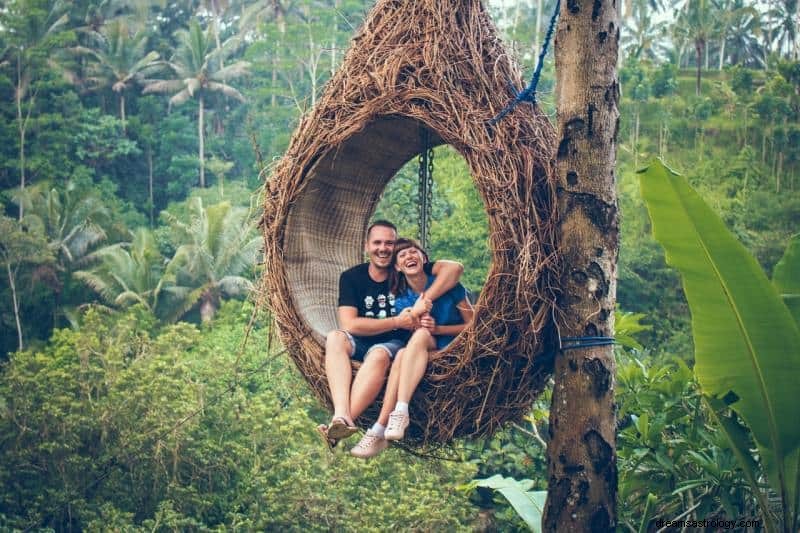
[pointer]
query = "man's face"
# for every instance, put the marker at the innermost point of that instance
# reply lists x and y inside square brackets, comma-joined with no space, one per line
[379,246]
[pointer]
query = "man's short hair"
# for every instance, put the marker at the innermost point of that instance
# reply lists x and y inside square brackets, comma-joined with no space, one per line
[383,223]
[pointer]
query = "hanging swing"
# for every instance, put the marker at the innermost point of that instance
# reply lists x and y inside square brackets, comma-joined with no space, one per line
[435,66]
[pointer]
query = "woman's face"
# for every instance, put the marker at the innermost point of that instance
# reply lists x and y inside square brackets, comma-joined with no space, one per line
[409,261]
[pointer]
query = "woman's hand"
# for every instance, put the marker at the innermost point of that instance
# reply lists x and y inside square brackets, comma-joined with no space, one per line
[422,306]
[428,322]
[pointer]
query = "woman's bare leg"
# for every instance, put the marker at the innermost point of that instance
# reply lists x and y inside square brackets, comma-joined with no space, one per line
[415,362]
[390,396]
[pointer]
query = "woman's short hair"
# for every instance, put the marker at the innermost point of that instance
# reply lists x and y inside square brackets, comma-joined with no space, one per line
[397,281]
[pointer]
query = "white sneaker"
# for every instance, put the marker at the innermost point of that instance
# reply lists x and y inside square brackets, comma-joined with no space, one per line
[396,427]
[370,445]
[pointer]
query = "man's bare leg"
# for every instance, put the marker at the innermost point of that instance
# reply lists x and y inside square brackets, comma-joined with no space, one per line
[339,372]
[368,381]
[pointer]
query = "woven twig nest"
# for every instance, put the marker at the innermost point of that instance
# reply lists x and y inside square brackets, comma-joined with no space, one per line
[437,64]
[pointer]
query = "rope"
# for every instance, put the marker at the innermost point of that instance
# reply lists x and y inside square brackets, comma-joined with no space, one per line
[529,93]
[571,343]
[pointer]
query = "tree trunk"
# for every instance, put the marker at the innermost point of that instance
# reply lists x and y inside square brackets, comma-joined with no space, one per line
[122,110]
[722,53]
[150,181]
[636,138]
[201,137]
[21,123]
[581,455]
[15,303]
[207,308]
[698,49]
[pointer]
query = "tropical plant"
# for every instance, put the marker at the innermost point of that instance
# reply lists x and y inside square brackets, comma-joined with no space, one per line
[697,24]
[126,273]
[197,71]
[120,59]
[644,37]
[747,344]
[216,248]
[73,219]
[20,245]
[31,27]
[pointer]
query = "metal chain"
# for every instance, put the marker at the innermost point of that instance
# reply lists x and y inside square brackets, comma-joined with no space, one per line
[425,190]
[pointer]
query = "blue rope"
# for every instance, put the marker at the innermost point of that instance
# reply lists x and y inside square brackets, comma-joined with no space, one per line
[571,343]
[529,93]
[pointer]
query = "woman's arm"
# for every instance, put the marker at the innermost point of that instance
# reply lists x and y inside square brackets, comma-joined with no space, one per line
[467,313]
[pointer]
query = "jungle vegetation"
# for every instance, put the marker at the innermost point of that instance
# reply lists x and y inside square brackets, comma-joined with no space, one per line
[141,389]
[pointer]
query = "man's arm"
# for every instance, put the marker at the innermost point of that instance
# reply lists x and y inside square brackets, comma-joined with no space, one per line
[447,273]
[356,325]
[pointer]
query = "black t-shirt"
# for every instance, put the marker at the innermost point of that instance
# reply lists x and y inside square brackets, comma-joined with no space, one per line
[372,299]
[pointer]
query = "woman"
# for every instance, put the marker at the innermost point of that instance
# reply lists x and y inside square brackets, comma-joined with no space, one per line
[448,317]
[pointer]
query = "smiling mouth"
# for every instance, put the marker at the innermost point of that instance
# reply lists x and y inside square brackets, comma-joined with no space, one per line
[411,264]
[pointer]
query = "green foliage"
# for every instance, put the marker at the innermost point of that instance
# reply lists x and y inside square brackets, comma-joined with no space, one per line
[786,277]
[528,504]
[215,248]
[668,446]
[747,343]
[127,425]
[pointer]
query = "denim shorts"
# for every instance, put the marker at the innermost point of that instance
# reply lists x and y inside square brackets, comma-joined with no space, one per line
[362,347]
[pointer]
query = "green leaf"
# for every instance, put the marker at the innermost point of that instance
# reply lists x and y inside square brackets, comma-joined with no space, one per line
[747,346]
[529,505]
[786,277]
[649,511]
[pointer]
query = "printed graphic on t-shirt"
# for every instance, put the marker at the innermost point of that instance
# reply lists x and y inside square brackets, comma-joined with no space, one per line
[385,306]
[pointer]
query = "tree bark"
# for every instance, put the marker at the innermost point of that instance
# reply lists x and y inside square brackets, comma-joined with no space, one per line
[150,181]
[15,302]
[698,49]
[201,148]
[582,451]
[122,110]
[22,124]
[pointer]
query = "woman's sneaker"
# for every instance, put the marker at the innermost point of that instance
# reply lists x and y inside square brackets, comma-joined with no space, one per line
[396,428]
[370,445]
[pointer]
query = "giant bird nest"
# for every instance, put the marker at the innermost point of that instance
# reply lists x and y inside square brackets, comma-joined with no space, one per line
[436,64]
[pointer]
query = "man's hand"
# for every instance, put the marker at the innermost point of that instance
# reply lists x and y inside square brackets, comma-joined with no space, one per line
[422,306]
[405,320]
[428,322]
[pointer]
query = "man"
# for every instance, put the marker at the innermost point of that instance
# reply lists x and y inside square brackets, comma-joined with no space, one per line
[371,331]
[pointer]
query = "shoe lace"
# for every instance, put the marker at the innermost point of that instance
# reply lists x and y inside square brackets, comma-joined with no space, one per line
[367,440]
[396,419]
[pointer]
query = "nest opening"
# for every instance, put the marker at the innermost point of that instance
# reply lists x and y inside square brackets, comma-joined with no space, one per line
[328,222]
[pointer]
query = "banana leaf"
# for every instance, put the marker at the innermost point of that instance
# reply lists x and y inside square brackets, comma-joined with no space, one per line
[528,504]
[747,345]
[786,277]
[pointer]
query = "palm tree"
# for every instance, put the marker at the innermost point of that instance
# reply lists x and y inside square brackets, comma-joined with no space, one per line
[197,71]
[121,58]
[784,20]
[643,37]
[741,30]
[126,273]
[218,244]
[30,26]
[697,23]
[72,221]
